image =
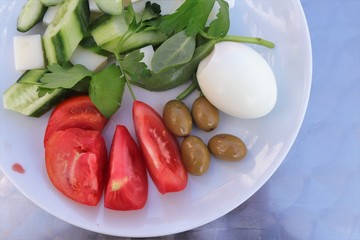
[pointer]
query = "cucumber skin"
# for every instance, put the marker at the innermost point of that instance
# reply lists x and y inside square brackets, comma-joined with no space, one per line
[29,82]
[90,44]
[113,7]
[50,3]
[55,50]
[37,17]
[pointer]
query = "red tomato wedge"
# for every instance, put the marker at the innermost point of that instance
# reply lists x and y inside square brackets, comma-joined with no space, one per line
[75,112]
[75,160]
[127,186]
[160,149]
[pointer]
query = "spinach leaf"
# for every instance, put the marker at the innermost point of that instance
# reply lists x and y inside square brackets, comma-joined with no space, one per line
[176,50]
[106,90]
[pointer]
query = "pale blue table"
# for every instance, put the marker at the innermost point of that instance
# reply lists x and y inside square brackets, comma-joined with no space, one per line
[315,194]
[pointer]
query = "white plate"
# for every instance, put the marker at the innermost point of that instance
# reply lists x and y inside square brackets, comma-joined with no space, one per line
[226,185]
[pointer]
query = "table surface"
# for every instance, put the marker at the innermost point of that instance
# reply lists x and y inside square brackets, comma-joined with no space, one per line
[315,194]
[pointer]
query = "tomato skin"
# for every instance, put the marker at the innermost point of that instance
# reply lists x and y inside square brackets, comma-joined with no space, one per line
[127,186]
[75,112]
[160,149]
[75,161]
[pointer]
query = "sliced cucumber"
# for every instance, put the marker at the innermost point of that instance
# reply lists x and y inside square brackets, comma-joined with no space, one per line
[90,44]
[50,3]
[108,31]
[107,28]
[65,32]
[23,96]
[30,15]
[112,7]
[31,76]
[135,41]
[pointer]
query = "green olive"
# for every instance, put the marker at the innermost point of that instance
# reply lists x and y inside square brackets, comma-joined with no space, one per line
[205,115]
[195,155]
[227,147]
[177,118]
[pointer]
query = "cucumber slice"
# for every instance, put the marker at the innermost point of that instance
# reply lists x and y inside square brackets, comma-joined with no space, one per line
[90,44]
[50,3]
[31,13]
[112,7]
[66,31]
[135,41]
[108,30]
[23,96]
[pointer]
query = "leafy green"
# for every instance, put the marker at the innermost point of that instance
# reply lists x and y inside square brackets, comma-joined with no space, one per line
[145,22]
[176,50]
[43,91]
[61,77]
[220,26]
[151,11]
[106,90]
[192,16]
[133,68]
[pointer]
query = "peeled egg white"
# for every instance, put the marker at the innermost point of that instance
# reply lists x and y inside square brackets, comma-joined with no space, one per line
[238,81]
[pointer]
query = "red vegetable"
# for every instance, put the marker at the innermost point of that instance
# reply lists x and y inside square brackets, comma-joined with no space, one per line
[75,112]
[160,149]
[127,186]
[75,160]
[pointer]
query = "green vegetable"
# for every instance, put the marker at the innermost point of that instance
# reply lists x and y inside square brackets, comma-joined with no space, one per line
[112,7]
[49,3]
[220,26]
[64,33]
[176,50]
[128,31]
[142,30]
[31,13]
[133,68]
[192,16]
[23,96]
[59,77]
[107,89]
[175,76]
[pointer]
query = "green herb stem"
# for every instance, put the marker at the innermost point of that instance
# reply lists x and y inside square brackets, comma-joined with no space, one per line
[187,91]
[243,39]
[124,76]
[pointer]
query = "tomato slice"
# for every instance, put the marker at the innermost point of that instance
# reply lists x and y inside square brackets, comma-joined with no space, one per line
[127,186]
[75,160]
[75,112]
[160,149]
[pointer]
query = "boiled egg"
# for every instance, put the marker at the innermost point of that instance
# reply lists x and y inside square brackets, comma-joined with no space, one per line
[238,81]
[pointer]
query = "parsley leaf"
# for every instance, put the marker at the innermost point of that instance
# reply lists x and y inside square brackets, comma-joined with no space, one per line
[192,15]
[106,90]
[148,20]
[61,77]
[220,26]
[132,66]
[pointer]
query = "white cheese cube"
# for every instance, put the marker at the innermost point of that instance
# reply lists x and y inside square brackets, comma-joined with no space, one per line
[148,55]
[90,60]
[50,14]
[28,52]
